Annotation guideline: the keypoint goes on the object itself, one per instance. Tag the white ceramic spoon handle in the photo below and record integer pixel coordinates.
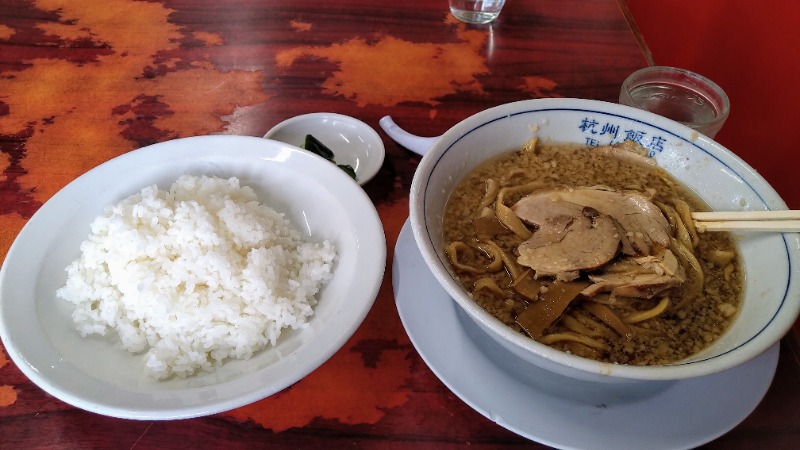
(417, 144)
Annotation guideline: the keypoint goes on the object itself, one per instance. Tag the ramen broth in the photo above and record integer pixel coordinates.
(578, 275)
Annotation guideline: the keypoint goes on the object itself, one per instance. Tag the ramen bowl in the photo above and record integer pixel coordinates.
(770, 261)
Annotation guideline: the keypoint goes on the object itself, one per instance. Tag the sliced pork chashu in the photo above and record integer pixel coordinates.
(643, 226)
(563, 245)
(641, 277)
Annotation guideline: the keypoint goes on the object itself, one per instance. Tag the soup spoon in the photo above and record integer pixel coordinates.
(417, 144)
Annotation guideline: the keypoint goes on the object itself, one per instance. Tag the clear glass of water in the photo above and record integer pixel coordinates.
(476, 11)
(678, 94)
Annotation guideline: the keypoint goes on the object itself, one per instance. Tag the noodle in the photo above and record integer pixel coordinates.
(510, 220)
(573, 324)
(640, 316)
(491, 285)
(685, 213)
(453, 250)
(698, 278)
(559, 337)
(491, 193)
(494, 252)
(682, 234)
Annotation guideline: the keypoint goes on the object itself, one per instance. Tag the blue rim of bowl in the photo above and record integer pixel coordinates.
(683, 139)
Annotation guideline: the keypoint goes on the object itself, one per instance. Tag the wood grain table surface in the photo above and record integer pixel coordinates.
(82, 82)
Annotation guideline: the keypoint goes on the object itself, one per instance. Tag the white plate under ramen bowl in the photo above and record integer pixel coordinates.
(95, 373)
(352, 141)
(771, 260)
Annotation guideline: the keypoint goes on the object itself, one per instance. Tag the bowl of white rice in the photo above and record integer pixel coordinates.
(190, 277)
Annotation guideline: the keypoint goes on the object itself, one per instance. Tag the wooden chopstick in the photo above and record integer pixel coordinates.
(784, 221)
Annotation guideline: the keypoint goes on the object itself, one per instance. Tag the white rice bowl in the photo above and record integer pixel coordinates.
(96, 373)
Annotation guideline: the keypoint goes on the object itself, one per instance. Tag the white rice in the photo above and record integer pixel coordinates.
(195, 276)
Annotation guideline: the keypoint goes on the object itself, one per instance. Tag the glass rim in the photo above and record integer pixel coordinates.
(707, 87)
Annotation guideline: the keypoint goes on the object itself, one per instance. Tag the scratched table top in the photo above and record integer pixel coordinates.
(84, 82)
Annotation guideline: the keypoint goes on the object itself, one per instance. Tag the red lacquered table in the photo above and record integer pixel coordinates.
(83, 82)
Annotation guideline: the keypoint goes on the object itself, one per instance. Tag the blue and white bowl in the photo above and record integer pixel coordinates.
(771, 260)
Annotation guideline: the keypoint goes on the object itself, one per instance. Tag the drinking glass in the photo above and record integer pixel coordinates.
(678, 94)
(476, 11)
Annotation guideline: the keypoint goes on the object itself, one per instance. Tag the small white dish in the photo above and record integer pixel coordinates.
(95, 373)
(556, 410)
(352, 141)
